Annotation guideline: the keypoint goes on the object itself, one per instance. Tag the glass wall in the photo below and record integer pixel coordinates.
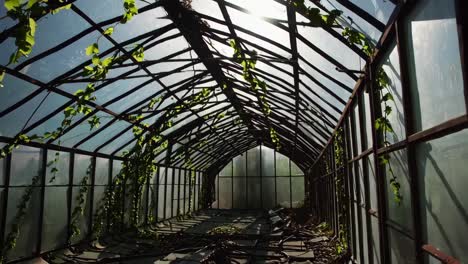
(43, 193)
(259, 178)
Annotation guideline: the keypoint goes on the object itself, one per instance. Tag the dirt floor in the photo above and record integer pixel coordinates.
(215, 236)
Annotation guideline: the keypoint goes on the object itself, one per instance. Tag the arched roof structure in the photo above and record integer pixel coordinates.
(310, 72)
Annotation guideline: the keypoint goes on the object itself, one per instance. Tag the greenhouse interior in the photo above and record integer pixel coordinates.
(233, 131)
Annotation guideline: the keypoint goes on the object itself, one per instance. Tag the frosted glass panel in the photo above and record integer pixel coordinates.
(25, 164)
(102, 171)
(434, 63)
(55, 218)
(26, 242)
(391, 66)
(253, 162)
(399, 215)
(57, 172)
(442, 177)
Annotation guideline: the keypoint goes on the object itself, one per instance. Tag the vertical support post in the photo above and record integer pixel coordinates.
(147, 202)
(185, 190)
(71, 172)
(91, 194)
(4, 206)
(178, 192)
(379, 170)
(365, 175)
(290, 184)
(350, 189)
(166, 163)
(156, 190)
(172, 191)
(357, 185)
(462, 24)
(409, 129)
(217, 192)
(199, 188)
(190, 190)
(110, 188)
(274, 165)
(246, 180)
(42, 175)
(261, 178)
(232, 184)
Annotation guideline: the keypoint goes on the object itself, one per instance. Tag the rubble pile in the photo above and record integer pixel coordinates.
(215, 236)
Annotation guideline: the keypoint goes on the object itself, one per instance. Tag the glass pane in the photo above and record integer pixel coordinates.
(391, 66)
(434, 63)
(82, 169)
(227, 171)
(253, 190)
(225, 195)
(298, 194)
(282, 165)
(268, 192)
(58, 168)
(25, 164)
(441, 165)
(102, 171)
(402, 248)
(253, 162)
(399, 215)
(27, 239)
(268, 166)
(239, 165)
(283, 192)
(240, 189)
(55, 218)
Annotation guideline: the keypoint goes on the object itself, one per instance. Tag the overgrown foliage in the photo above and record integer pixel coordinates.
(340, 159)
(139, 165)
(248, 61)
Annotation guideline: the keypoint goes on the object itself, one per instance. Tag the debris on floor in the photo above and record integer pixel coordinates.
(216, 236)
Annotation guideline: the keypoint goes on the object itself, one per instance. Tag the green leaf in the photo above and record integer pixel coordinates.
(2, 76)
(387, 97)
(96, 60)
(31, 3)
(139, 54)
(69, 111)
(388, 110)
(12, 4)
(109, 31)
(55, 11)
(107, 61)
(92, 49)
(94, 122)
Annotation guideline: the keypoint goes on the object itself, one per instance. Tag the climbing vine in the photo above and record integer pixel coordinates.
(359, 39)
(139, 166)
(79, 209)
(383, 125)
(339, 156)
(248, 61)
(23, 205)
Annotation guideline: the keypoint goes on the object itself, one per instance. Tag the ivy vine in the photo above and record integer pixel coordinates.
(339, 156)
(248, 61)
(354, 37)
(79, 209)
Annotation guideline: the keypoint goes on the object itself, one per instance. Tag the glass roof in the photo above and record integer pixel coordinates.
(298, 62)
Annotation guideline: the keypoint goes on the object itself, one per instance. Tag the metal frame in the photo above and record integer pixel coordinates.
(310, 150)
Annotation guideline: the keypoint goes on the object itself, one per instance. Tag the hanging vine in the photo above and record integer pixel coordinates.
(79, 209)
(139, 166)
(359, 39)
(12, 237)
(339, 155)
(248, 61)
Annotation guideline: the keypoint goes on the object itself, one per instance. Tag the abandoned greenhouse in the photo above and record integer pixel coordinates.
(233, 131)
